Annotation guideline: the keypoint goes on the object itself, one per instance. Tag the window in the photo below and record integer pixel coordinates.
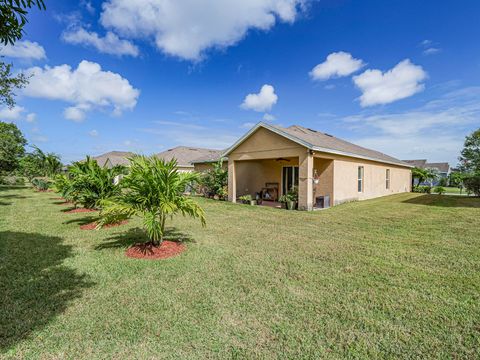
(360, 179)
(387, 179)
(289, 178)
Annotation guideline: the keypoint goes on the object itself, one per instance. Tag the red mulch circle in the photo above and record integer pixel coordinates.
(147, 251)
(79, 210)
(93, 225)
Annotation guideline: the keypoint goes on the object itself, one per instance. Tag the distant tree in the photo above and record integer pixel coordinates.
(470, 155)
(13, 17)
(30, 166)
(38, 163)
(12, 147)
(456, 179)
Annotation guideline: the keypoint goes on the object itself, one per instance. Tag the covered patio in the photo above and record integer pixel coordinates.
(268, 179)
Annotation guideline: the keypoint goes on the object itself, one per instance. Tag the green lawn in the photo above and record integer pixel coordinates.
(395, 277)
(454, 190)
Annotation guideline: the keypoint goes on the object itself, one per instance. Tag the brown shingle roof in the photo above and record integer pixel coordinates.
(417, 163)
(186, 155)
(113, 158)
(441, 167)
(319, 141)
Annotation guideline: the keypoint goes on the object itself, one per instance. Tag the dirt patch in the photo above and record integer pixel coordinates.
(79, 210)
(147, 251)
(93, 225)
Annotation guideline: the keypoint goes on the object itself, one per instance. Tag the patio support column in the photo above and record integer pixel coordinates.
(305, 181)
(232, 181)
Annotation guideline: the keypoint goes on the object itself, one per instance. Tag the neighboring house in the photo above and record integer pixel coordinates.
(187, 157)
(326, 169)
(442, 169)
(113, 158)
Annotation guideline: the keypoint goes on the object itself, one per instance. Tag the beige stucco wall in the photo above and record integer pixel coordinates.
(202, 167)
(324, 169)
(346, 176)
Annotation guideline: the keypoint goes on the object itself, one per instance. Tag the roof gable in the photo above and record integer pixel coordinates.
(319, 141)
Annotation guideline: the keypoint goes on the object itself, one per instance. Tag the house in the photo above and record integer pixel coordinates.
(327, 170)
(112, 158)
(187, 157)
(442, 169)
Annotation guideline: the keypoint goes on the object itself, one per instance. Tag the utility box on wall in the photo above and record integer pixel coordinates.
(322, 202)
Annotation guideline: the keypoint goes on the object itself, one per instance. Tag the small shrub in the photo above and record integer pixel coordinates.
(472, 184)
(440, 190)
(425, 189)
(40, 184)
(442, 182)
(245, 199)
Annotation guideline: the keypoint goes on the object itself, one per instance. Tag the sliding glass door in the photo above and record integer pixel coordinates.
(289, 178)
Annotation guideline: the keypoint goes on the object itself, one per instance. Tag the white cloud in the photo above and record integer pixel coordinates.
(337, 64)
(187, 28)
(31, 117)
(24, 50)
(431, 51)
(429, 47)
(12, 114)
(86, 87)
(191, 135)
(109, 44)
(434, 131)
(40, 138)
(93, 133)
(74, 113)
(248, 125)
(263, 101)
(402, 81)
(268, 117)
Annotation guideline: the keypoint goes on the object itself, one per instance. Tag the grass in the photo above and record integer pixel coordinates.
(454, 190)
(394, 277)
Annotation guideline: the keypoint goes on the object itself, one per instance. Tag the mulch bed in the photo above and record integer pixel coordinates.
(147, 251)
(93, 225)
(79, 210)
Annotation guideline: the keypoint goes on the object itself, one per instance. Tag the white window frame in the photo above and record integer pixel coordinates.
(387, 179)
(360, 179)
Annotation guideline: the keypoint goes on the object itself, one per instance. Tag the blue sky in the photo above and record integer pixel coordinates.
(400, 77)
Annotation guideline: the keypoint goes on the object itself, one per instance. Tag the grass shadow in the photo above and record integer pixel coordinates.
(82, 221)
(35, 286)
(13, 187)
(445, 201)
(137, 235)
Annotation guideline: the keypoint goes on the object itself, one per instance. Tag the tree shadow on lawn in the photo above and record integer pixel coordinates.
(11, 196)
(82, 221)
(35, 286)
(138, 235)
(445, 201)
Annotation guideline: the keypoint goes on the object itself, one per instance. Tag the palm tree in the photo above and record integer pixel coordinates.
(49, 162)
(90, 184)
(154, 190)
